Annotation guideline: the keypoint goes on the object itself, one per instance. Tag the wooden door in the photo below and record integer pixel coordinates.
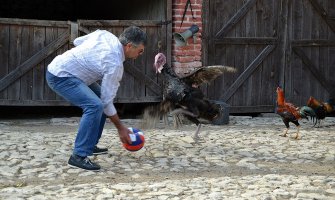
(269, 41)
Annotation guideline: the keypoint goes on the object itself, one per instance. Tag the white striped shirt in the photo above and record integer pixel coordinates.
(96, 56)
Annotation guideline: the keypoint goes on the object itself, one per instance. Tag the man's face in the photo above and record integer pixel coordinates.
(133, 51)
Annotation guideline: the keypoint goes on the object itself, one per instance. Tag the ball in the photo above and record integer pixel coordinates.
(137, 139)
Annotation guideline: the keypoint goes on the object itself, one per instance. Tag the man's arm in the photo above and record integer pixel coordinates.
(122, 130)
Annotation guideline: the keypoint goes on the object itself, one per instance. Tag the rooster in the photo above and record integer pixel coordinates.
(182, 95)
(321, 109)
(290, 113)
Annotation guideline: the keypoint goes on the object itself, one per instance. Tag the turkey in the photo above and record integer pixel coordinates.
(182, 95)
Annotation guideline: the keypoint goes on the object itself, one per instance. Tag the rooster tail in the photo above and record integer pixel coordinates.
(306, 112)
(280, 97)
(313, 103)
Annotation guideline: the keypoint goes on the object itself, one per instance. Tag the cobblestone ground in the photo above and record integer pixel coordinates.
(246, 159)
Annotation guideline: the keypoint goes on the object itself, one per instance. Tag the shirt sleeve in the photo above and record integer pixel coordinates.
(109, 86)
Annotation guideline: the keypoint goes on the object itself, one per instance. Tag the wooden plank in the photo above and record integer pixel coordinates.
(18, 102)
(99, 23)
(319, 9)
(158, 42)
(241, 79)
(4, 54)
(38, 69)
(32, 22)
(235, 19)
(308, 63)
(252, 109)
(314, 42)
(73, 31)
(50, 35)
(35, 59)
(27, 52)
(15, 49)
(246, 40)
(293, 71)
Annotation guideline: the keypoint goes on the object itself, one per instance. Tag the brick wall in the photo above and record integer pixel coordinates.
(186, 58)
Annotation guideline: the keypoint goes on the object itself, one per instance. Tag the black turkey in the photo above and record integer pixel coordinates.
(182, 95)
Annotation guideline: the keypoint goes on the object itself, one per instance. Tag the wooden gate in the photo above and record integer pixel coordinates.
(271, 42)
(28, 46)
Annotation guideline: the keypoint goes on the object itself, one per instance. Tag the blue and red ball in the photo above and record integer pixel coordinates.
(137, 138)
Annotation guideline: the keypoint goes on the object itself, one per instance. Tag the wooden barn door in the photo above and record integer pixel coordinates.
(310, 64)
(271, 43)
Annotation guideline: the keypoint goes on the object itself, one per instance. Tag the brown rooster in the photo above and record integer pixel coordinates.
(291, 113)
(321, 109)
(181, 95)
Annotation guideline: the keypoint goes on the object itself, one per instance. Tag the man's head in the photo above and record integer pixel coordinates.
(133, 40)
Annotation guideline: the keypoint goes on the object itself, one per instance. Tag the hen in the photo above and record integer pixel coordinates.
(291, 113)
(321, 109)
(181, 95)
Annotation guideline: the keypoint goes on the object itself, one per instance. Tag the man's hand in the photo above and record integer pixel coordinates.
(124, 135)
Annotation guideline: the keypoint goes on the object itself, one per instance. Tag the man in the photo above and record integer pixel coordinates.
(73, 75)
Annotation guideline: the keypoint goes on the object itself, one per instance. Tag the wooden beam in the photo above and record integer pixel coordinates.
(74, 31)
(325, 43)
(252, 109)
(309, 64)
(141, 77)
(250, 69)
(118, 23)
(33, 61)
(236, 18)
(243, 40)
(32, 22)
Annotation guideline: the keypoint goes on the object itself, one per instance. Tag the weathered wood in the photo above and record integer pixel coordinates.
(34, 60)
(26, 85)
(4, 53)
(73, 31)
(252, 109)
(38, 69)
(14, 60)
(31, 22)
(284, 24)
(316, 42)
(103, 23)
(330, 21)
(308, 63)
(267, 50)
(235, 19)
(18, 102)
(140, 76)
(244, 40)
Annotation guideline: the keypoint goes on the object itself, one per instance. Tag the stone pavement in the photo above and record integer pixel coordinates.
(246, 159)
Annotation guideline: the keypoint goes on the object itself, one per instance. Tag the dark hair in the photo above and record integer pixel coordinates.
(134, 35)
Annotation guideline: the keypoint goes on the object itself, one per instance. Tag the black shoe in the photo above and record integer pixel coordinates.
(98, 151)
(83, 163)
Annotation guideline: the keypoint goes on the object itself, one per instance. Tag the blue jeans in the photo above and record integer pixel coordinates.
(87, 98)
